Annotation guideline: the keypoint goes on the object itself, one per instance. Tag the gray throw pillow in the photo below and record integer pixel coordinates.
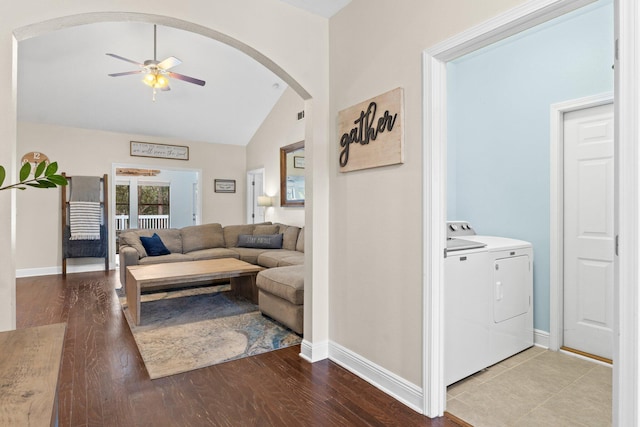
(261, 241)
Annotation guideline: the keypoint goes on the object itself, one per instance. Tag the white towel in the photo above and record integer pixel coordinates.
(84, 220)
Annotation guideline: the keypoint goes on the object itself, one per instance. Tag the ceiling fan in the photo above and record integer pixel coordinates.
(156, 73)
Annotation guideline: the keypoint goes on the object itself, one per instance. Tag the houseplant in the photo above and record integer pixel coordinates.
(44, 176)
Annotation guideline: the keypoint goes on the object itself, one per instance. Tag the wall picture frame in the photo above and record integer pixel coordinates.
(224, 185)
(298, 162)
(160, 151)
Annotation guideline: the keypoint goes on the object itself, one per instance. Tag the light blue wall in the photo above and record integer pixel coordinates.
(498, 131)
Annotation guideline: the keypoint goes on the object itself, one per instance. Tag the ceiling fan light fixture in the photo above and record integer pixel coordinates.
(161, 81)
(156, 80)
(157, 73)
(149, 79)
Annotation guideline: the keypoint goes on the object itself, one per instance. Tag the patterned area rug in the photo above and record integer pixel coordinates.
(193, 328)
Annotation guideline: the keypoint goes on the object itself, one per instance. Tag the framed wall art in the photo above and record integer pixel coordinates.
(298, 162)
(161, 151)
(224, 185)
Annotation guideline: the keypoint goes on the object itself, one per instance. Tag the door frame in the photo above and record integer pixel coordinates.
(626, 371)
(250, 174)
(112, 195)
(556, 218)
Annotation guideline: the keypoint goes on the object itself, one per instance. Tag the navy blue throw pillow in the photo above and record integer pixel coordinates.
(154, 246)
(262, 241)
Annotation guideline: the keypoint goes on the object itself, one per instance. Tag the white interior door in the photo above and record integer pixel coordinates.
(255, 188)
(589, 230)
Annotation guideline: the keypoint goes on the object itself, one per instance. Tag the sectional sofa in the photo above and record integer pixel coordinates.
(277, 247)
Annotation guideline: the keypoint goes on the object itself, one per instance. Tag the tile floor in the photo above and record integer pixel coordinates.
(537, 387)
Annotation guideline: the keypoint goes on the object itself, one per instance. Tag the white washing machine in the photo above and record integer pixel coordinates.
(488, 300)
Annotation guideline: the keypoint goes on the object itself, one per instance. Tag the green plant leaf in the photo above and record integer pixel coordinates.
(46, 183)
(51, 169)
(58, 179)
(25, 170)
(39, 169)
(3, 174)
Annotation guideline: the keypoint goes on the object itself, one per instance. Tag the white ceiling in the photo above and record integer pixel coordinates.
(62, 79)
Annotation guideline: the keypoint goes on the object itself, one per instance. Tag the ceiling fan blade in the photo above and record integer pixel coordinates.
(125, 59)
(186, 78)
(126, 73)
(170, 62)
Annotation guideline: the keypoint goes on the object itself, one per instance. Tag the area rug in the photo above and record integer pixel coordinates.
(193, 328)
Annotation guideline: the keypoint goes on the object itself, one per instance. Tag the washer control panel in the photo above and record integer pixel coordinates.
(459, 229)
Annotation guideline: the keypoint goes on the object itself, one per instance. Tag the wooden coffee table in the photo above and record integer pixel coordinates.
(242, 276)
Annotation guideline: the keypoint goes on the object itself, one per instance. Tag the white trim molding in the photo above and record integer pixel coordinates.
(314, 352)
(626, 348)
(390, 383)
(541, 338)
(511, 22)
(556, 205)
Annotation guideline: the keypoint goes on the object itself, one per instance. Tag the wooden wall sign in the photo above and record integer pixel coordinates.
(371, 133)
(162, 151)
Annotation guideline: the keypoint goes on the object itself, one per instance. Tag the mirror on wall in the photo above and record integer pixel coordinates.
(292, 174)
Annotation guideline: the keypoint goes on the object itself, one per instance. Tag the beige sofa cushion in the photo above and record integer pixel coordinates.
(290, 237)
(231, 233)
(266, 229)
(165, 258)
(280, 257)
(284, 282)
(213, 253)
(206, 236)
(300, 242)
(250, 255)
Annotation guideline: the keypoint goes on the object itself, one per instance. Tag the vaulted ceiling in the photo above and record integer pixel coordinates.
(63, 79)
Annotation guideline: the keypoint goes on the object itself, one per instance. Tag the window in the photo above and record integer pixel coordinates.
(153, 199)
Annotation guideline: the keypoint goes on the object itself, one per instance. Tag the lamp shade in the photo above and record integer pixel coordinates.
(264, 201)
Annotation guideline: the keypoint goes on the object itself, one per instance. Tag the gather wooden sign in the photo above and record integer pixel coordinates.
(371, 133)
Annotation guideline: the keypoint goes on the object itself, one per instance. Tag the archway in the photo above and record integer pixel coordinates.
(44, 27)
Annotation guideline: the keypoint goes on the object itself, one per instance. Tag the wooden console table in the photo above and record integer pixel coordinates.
(29, 367)
(242, 276)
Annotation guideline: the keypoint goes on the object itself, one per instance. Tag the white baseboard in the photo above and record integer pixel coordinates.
(395, 386)
(541, 338)
(314, 352)
(47, 271)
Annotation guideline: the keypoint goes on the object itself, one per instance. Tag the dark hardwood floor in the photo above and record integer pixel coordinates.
(103, 381)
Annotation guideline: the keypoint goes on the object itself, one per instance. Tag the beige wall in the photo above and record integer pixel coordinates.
(263, 28)
(92, 152)
(280, 128)
(376, 215)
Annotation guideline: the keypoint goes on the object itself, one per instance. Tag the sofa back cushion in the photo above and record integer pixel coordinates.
(300, 242)
(231, 233)
(266, 229)
(170, 237)
(290, 236)
(206, 236)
